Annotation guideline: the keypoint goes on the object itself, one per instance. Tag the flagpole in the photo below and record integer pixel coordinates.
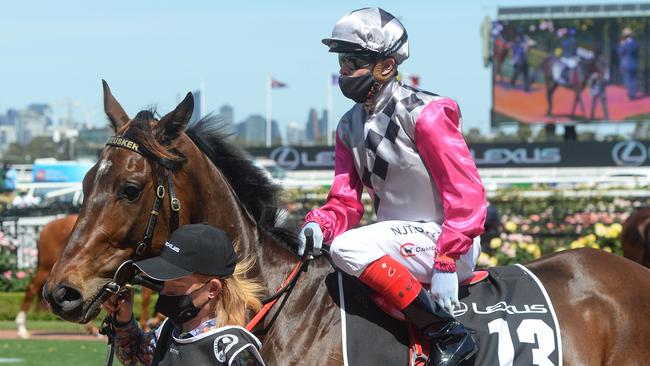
(268, 111)
(329, 110)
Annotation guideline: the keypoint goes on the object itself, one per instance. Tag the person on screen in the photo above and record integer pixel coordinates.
(597, 82)
(404, 145)
(520, 61)
(628, 52)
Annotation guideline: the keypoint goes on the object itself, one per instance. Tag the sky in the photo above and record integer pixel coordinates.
(153, 52)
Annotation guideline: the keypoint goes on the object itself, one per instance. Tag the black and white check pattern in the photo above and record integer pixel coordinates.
(388, 162)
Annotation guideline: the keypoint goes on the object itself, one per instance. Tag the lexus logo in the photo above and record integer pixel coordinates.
(459, 311)
(630, 153)
(286, 157)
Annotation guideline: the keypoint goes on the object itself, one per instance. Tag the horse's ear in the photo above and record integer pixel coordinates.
(173, 123)
(113, 109)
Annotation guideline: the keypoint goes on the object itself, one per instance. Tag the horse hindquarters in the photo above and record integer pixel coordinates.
(602, 303)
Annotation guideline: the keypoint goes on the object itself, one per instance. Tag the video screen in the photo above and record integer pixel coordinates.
(570, 70)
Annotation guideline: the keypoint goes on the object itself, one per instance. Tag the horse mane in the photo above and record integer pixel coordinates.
(258, 194)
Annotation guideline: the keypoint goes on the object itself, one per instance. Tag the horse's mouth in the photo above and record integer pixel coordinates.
(94, 305)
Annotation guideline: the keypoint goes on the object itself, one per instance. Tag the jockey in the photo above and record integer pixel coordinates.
(405, 146)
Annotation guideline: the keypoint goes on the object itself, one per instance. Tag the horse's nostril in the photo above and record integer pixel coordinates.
(67, 297)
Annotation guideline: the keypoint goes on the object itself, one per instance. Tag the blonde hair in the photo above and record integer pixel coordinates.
(238, 295)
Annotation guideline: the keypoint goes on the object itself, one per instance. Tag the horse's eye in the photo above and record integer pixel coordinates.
(130, 192)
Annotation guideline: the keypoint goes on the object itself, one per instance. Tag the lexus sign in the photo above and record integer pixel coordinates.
(629, 153)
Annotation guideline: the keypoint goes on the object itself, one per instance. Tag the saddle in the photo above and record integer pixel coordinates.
(506, 308)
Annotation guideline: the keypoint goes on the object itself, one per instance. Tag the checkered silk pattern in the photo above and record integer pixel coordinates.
(386, 158)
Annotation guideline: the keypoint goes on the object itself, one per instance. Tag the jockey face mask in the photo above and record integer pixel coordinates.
(356, 88)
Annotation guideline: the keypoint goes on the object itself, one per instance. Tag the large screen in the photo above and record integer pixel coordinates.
(571, 70)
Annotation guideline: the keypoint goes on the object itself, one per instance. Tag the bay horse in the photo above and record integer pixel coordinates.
(602, 301)
(635, 237)
(577, 82)
(51, 241)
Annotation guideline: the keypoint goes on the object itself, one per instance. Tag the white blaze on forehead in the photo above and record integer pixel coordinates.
(104, 167)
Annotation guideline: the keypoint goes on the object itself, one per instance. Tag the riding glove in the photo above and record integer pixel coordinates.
(444, 289)
(318, 238)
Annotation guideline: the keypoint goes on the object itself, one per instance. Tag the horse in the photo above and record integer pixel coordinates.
(579, 76)
(635, 237)
(51, 241)
(601, 300)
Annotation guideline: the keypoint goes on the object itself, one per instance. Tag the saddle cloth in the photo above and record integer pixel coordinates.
(509, 312)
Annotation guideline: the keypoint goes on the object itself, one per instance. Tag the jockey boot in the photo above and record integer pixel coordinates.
(451, 343)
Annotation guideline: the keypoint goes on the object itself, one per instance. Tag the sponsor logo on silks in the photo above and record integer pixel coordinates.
(223, 344)
(410, 249)
(406, 250)
(509, 309)
(172, 247)
(411, 229)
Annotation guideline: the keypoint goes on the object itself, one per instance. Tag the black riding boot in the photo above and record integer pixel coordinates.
(451, 343)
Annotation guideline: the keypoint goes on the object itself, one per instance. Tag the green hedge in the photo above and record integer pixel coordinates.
(10, 305)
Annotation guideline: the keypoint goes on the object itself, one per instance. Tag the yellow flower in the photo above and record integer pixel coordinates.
(591, 238)
(607, 249)
(537, 253)
(576, 244)
(582, 240)
(522, 245)
(493, 261)
(595, 245)
(617, 227)
(532, 248)
(600, 229)
(495, 243)
(510, 226)
(559, 249)
(484, 259)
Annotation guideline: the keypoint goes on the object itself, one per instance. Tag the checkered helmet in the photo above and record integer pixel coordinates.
(370, 32)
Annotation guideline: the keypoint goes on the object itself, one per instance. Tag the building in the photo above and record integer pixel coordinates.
(295, 134)
(252, 131)
(227, 115)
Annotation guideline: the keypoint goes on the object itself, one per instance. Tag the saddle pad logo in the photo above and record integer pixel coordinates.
(223, 344)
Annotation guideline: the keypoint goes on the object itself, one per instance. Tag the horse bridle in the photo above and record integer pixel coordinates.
(127, 272)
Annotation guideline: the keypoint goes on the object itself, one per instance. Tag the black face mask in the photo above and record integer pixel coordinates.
(178, 308)
(356, 88)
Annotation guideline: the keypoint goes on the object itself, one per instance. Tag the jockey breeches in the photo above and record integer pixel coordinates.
(413, 244)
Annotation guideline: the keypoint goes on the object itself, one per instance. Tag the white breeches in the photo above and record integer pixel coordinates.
(413, 244)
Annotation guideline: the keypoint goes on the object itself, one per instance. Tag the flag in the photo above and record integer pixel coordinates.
(275, 84)
(415, 80)
(335, 79)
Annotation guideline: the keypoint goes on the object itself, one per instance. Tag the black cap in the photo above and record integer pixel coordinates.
(194, 248)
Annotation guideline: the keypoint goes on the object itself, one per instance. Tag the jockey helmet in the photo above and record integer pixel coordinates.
(370, 33)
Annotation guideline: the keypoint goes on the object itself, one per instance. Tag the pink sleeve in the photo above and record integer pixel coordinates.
(441, 145)
(343, 209)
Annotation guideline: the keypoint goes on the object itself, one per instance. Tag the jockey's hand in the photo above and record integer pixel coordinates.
(120, 305)
(318, 238)
(444, 289)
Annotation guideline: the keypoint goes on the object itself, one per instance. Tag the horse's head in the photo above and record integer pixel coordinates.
(128, 208)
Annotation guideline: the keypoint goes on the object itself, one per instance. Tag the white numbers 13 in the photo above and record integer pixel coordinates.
(528, 330)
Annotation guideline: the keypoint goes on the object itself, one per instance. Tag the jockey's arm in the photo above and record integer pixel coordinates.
(442, 147)
(343, 209)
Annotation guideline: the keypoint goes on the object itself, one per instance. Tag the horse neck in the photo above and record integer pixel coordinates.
(217, 204)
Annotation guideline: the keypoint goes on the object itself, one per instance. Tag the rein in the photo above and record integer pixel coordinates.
(126, 271)
(285, 288)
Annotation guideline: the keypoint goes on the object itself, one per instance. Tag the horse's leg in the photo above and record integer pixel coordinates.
(34, 286)
(550, 88)
(602, 303)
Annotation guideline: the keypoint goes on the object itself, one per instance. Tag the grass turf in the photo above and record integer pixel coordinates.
(52, 353)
